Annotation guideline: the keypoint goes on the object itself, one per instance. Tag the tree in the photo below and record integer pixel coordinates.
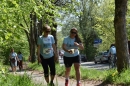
(19, 16)
(121, 35)
(42, 13)
(104, 24)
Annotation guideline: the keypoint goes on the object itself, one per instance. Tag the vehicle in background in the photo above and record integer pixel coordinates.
(83, 58)
(101, 57)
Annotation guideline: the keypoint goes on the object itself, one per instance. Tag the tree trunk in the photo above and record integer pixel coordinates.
(55, 37)
(121, 35)
(32, 37)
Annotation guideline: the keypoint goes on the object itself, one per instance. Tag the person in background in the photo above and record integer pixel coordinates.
(71, 46)
(13, 60)
(61, 53)
(20, 56)
(47, 54)
(112, 52)
(29, 58)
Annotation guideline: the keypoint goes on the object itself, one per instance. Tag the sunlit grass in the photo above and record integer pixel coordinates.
(35, 66)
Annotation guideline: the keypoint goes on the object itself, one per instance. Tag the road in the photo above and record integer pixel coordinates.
(91, 65)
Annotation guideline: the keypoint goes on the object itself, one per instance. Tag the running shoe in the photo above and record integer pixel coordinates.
(51, 84)
(66, 82)
(79, 84)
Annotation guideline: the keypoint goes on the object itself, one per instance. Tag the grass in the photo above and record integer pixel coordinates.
(7, 79)
(108, 76)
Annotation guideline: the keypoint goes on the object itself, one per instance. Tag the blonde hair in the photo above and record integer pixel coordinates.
(74, 29)
(45, 27)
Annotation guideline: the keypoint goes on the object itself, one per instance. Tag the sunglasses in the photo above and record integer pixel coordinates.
(73, 32)
(48, 31)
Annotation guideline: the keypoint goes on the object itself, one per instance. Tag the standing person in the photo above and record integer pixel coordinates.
(47, 54)
(20, 56)
(13, 60)
(70, 45)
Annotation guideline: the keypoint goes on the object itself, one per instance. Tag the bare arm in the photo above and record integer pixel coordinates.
(81, 47)
(17, 58)
(54, 48)
(38, 51)
(64, 47)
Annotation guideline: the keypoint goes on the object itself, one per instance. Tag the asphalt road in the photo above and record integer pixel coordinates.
(91, 65)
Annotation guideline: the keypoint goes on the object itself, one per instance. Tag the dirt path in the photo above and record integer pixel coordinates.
(38, 77)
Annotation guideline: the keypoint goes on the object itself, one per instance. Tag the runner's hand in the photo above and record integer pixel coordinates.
(70, 51)
(75, 43)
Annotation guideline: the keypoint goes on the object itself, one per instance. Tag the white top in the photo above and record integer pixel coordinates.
(112, 50)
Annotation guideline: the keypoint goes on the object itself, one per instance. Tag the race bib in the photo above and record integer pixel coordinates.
(47, 51)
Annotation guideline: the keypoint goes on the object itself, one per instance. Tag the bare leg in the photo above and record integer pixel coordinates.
(77, 70)
(52, 77)
(13, 69)
(47, 79)
(67, 72)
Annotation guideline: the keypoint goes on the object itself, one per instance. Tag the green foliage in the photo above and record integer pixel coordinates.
(35, 66)
(83, 18)
(60, 70)
(59, 40)
(11, 80)
(91, 74)
(7, 79)
(90, 52)
(105, 26)
(19, 44)
(15, 19)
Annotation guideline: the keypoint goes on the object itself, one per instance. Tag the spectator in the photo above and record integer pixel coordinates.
(13, 60)
(20, 56)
